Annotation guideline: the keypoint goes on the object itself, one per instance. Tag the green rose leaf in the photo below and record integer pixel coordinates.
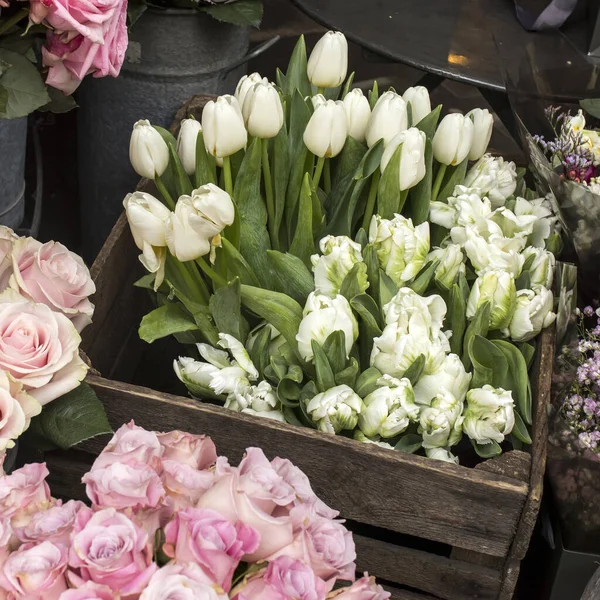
(166, 320)
(247, 13)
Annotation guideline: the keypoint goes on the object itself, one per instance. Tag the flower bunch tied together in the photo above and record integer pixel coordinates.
(347, 261)
(168, 517)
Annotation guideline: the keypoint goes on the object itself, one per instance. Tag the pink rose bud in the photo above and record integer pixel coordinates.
(364, 589)
(197, 451)
(182, 582)
(204, 537)
(284, 579)
(24, 490)
(109, 549)
(53, 275)
(183, 484)
(36, 571)
(90, 591)
(54, 524)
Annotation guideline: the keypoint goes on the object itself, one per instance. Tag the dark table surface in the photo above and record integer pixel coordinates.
(472, 41)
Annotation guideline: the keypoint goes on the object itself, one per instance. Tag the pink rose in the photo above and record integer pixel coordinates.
(204, 537)
(6, 539)
(24, 490)
(197, 451)
(130, 445)
(251, 494)
(284, 579)
(183, 484)
(36, 571)
(182, 582)
(16, 409)
(39, 348)
(110, 549)
(54, 524)
(326, 545)
(51, 274)
(364, 589)
(90, 591)
(7, 238)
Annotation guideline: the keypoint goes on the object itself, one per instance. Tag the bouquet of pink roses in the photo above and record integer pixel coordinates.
(171, 520)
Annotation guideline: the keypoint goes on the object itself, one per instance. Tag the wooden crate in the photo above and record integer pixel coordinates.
(427, 529)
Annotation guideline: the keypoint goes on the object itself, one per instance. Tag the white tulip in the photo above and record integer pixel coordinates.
(388, 119)
(532, 314)
(542, 268)
(246, 83)
(497, 288)
(388, 411)
(451, 376)
(441, 454)
(260, 398)
(328, 62)
(338, 255)
(358, 113)
(186, 144)
(453, 139)
(464, 207)
(321, 317)
(546, 221)
(440, 424)
(513, 225)
(317, 100)
(483, 123)
(336, 409)
(197, 220)
(488, 254)
(401, 247)
(194, 373)
(231, 380)
(276, 415)
(412, 156)
(451, 265)
(494, 178)
(239, 353)
(223, 127)
(262, 111)
(327, 130)
(420, 103)
(148, 152)
(359, 436)
(489, 416)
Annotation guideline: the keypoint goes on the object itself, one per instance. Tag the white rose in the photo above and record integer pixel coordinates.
(532, 314)
(497, 288)
(489, 416)
(450, 376)
(336, 409)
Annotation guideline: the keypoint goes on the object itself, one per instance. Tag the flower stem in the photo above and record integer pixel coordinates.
(320, 90)
(327, 176)
(438, 181)
(208, 270)
(269, 193)
(18, 16)
(371, 200)
(318, 171)
(227, 175)
(164, 193)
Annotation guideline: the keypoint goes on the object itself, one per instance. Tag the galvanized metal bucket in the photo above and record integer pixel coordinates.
(172, 55)
(13, 144)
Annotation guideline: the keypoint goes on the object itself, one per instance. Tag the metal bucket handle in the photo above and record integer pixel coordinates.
(255, 53)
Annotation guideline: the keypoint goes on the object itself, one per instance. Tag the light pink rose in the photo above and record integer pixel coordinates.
(284, 579)
(365, 588)
(204, 537)
(54, 524)
(110, 549)
(198, 451)
(39, 348)
(182, 582)
(53, 275)
(324, 544)
(24, 490)
(90, 591)
(251, 493)
(36, 571)
(183, 484)
(16, 409)
(6, 540)
(7, 238)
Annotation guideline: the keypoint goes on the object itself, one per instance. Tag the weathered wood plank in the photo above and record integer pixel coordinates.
(447, 578)
(396, 491)
(66, 470)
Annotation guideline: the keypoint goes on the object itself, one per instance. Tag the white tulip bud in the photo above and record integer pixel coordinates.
(483, 123)
(388, 119)
(358, 113)
(322, 316)
(513, 225)
(317, 100)
(451, 265)
(359, 436)
(186, 144)
(327, 130)
(412, 156)
(440, 424)
(542, 268)
(223, 127)
(401, 247)
(494, 178)
(545, 223)
(452, 139)
(336, 409)
(147, 218)
(262, 111)
(260, 398)
(240, 354)
(489, 416)
(328, 62)
(441, 454)
(194, 373)
(532, 314)
(450, 376)
(420, 103)
(388, 410)
(497, 288)
(339, 255)
(197, 220)
(148, 152)
(246, 83)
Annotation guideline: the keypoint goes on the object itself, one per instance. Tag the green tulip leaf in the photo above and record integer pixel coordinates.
(388, 194)
(226, 308)
(429, 122)
(487, 450)
(490, 366)
(457, 319)
(259, 349)
(303, 245)
(292, 276)
(387, 288)
(520, 430)
(367, 382)
(410, 443)
(348, 375)
(368, 311)
(166, 320)
(335, 350)
(373, 95)
(296, 77)
(354, 282)
(206, 169)
(281, 174)
(527, 349)
(373, 272)
(478, 326)
(456, 177)
(423, 279)
(419, 197)
(237, 265)
(325, 379)
(414, 372)
(348, 85)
